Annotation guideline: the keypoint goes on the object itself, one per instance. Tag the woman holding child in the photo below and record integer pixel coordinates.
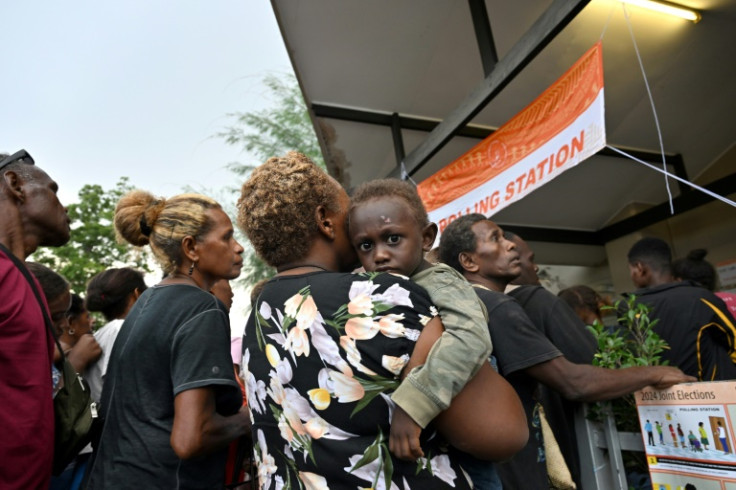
(324, 349)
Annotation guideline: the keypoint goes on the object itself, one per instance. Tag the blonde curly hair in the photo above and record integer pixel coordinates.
(142, 219)
(277, 204)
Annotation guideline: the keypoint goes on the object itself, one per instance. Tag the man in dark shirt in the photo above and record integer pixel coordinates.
(32, 216)
(695, 322)
(550, 314)
(562, 326)
(476, 247)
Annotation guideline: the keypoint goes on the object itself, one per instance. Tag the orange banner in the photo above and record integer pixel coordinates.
(560, 128)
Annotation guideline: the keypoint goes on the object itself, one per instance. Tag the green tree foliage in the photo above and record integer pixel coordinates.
(93, 246)
(282, 127)
(634, 344)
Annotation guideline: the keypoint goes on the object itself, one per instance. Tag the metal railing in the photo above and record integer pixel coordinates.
(600, 445)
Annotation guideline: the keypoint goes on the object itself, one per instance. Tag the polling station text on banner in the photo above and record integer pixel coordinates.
(561, 128)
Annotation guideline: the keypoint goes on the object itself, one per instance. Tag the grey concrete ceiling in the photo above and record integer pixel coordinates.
(421, 59)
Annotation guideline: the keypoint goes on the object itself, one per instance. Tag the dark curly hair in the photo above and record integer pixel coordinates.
(582, 297)
(459, 237)
(109, 290)
(52, 283)
(695, 268)
(277, 203)
(77, 306)
(653, 252)
(378, 188)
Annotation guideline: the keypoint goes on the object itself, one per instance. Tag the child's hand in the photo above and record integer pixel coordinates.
(404, 438)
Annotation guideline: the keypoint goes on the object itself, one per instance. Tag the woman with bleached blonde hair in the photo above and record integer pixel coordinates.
(324, 348)
(170, 401)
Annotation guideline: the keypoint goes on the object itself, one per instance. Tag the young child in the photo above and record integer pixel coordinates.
(391, 232)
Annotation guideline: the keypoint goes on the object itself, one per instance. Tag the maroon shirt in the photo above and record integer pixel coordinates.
(26, 406)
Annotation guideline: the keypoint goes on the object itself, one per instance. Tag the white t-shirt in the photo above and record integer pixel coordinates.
(96, 372)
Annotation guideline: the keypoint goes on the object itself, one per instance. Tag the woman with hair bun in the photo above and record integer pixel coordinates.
(324, 348)
(84, 350)
(170, 402)
(79, 322)
(695, 268)
(111, 292)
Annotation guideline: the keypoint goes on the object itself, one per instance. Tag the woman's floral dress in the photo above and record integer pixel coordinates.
(323, 352)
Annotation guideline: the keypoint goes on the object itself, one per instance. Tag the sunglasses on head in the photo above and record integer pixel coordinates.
(18, 156)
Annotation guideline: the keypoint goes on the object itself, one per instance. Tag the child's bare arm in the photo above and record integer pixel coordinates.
(404, 439)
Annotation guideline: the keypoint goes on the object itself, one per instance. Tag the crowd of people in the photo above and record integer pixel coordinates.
(369, 360)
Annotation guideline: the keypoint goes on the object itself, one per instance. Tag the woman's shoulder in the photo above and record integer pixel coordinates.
(388, 284)
(344, 281)
(110, 329)
(333, 289)
(389, 279)
(179, 298)
(188, 291)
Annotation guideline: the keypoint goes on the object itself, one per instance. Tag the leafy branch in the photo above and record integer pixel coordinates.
(93, 246)
(634, 343)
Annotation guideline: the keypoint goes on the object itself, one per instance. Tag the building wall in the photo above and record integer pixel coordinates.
(711, 226)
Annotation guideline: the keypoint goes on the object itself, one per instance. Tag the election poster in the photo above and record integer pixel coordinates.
(727, 275)
(559, 129)
(688, 435)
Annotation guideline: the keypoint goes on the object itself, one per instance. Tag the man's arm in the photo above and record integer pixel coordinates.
(586, 383)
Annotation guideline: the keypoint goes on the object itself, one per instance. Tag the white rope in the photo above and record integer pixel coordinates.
(667, 174)
(654, 110)
(608, 21)
(405, 175)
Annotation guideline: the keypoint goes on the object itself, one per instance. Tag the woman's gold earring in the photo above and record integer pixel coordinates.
(191, 268)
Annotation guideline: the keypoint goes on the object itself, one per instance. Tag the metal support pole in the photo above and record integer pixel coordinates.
(484, 35)
(398, 138)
